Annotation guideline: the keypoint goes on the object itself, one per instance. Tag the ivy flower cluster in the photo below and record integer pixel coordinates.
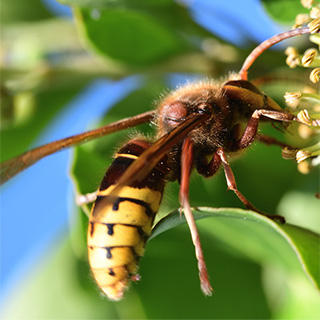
(306, 103)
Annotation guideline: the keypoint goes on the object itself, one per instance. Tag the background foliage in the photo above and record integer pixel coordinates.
(258, 269)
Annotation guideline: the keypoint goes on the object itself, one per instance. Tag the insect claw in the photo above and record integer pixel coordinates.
(136, 277)
(205, 283)
(82, 199)
(204, 277)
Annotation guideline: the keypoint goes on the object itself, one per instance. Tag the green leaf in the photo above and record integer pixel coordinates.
(261, 238)
(169, 276)
(131, 37)
(33, 10)
(284, 11)
(307, 248)
(136, 33)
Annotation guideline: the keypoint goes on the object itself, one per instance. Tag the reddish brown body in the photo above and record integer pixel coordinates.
(119, 228)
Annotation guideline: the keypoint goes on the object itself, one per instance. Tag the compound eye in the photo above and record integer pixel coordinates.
(175, 113)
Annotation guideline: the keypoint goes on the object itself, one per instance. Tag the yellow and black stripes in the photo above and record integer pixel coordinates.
(117, 240)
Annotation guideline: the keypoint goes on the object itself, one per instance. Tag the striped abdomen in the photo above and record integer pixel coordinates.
(116, 240)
